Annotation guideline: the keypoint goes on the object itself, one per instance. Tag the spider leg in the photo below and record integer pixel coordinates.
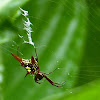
(59, 84)
(26, 74)
(53, 83)
(36, 54)
(51, 72)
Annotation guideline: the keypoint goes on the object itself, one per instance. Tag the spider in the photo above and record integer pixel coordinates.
(32, 67)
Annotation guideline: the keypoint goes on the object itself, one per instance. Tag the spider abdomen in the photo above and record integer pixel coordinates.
(39, 76)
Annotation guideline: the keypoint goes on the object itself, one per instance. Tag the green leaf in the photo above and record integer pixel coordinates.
(59, 34)
(10, 7)
(89, 91)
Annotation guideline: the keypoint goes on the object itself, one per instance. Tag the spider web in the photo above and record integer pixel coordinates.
(87, 69)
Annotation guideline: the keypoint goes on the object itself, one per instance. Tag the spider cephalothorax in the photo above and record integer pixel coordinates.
(31, 66)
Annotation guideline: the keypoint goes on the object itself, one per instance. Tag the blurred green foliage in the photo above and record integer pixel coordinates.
(66, 34)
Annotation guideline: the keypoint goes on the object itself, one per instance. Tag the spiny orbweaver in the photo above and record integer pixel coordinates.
(32, 67)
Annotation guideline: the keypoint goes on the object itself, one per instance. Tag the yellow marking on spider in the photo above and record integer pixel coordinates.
(27, 67)
(29, 70)
(35, 72)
